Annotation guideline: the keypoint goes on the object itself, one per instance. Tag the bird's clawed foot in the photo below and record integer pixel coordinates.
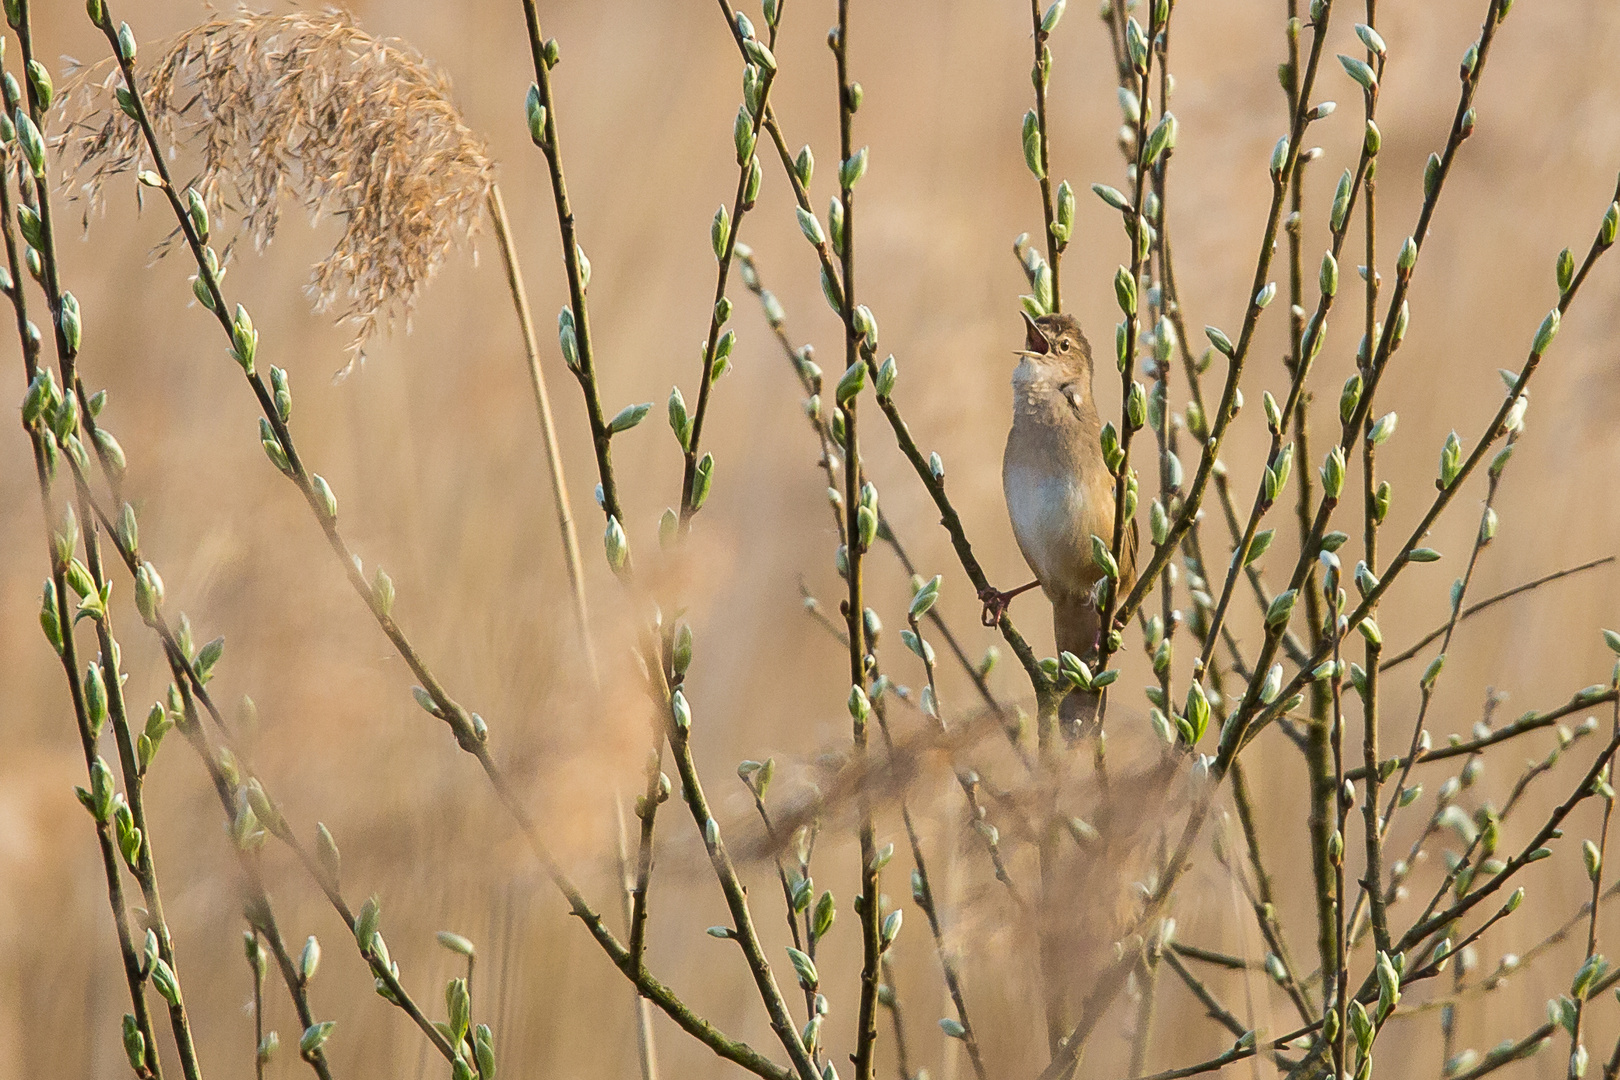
(996, 602)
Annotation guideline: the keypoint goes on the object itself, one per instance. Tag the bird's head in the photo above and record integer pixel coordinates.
(1056, 343)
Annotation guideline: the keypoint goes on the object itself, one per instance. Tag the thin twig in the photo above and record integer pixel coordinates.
(1416, 649)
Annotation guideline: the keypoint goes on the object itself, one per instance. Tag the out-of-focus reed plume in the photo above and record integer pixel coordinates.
(1103, 873)
(349, 126)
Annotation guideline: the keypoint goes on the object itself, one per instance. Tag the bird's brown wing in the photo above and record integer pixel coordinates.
(1074, 395)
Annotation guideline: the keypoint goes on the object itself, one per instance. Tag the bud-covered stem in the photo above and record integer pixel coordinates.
(805, 939)
(742, 202)
(1340, 940)
(1320, 749)
(138, 854)
(1293, 410)
(468, 733)
(1143, 164)
(258, 906)
(647, 811)
(144, 866)
(646, 1044)
(1354, 423)
(264, 925)
(68, 655)
(1531, 721)
(1495, 429)
(949, 517)
(1222, 418)
(1428, 684)
(1413, 650)
(257, 969)
(542, 401)
(1167, 310)
(601, 436)
(736, 896)
(110, 858)
(865, 1056)
(1372, 517)
(1039, 76)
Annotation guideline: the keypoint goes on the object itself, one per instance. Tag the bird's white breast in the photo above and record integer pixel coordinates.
(1045, 506)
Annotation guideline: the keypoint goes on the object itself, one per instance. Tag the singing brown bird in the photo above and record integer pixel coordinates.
(1059, 491)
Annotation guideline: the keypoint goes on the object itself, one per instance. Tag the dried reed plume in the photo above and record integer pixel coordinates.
(351, 126)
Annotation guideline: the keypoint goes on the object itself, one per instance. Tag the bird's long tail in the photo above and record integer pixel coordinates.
(1075, 624)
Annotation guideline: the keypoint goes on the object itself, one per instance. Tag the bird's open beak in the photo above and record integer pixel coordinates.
(1035, 343)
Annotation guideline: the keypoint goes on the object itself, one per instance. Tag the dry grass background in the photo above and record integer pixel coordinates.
(434, 448)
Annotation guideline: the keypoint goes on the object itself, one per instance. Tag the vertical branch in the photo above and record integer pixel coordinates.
(255, 959)
(1611, 1069)
(141, 860)
(647, 1051)
(1263, 902)
(297, 985)
(98, 797)
(890, 999)
(1318, 755)
(698, 468)
(1148, 984)
(1059, 216)
(657, 789)
(1373, 510)
(672, 652)
(629, 882)
(1127, 285)
(1339, 973)
(577, 326)
(860, 526)
(1159, 637)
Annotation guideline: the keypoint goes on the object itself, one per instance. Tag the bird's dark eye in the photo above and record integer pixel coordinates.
(1063, 345)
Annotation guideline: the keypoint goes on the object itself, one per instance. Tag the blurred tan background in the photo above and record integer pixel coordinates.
(434, 451)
